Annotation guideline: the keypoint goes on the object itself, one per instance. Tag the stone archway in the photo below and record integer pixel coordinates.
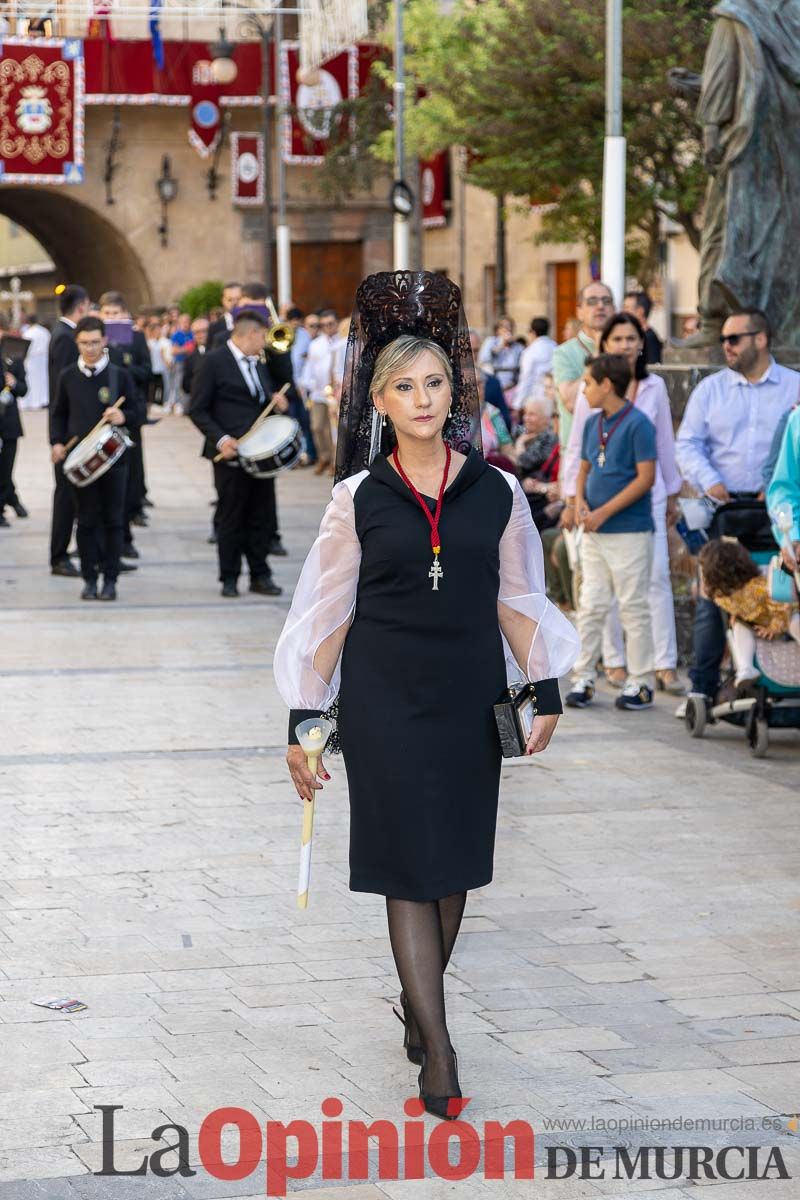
(85, 247)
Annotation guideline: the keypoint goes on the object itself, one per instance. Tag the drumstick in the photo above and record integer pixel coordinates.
(73, 441)
(261, 416)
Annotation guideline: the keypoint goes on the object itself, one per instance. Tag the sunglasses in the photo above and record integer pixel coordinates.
(593, 300)
(733, 339)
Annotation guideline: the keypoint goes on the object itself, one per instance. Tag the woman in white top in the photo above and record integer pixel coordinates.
(36, 364)
(623, 334)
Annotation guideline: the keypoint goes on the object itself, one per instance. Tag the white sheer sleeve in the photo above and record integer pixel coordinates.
(539, 640)
(308, 653)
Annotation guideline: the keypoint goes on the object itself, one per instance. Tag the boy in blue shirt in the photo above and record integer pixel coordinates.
(612, 498)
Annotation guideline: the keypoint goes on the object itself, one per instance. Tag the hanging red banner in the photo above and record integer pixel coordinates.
(247, 168)
(41, 110)
(313, 125)
(205, 114)
(434, 176)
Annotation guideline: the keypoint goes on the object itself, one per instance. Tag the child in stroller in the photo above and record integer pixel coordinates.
(734, 582)
(763, 634)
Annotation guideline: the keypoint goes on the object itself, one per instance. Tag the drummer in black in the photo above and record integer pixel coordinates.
(229, 391)
(85, 395)
(14, 386)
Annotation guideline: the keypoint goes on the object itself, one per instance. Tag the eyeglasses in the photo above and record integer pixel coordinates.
(734, 338)
(593, 300)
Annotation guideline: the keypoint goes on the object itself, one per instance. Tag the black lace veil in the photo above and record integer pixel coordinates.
(388, 305)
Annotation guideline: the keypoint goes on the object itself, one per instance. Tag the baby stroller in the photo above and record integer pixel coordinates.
(776, 703)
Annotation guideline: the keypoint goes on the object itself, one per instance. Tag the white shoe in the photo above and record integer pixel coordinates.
(680, 711)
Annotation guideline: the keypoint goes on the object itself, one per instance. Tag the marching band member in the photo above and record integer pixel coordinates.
(134, 356)
(86, 392)
(73, 304)
(230, 389)
(14, 386)
(255, 296)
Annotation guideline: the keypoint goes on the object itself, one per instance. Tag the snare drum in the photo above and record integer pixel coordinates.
(95, 455)
(274, 447)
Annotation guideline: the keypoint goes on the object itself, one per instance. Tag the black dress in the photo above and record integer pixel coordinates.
(422, 755)
(420, 672)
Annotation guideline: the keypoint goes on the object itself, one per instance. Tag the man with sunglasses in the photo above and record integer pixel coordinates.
(722, 445)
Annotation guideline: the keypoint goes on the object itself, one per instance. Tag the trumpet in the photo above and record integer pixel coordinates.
(279, 337)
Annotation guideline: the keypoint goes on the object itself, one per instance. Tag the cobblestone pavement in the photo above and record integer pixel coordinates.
(635, 959)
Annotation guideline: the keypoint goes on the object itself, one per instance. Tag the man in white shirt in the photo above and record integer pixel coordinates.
(722, 445)
(36, 364)
(536, 361)
(319, 382)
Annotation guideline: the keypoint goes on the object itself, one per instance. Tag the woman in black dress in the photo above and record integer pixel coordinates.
(422, 596)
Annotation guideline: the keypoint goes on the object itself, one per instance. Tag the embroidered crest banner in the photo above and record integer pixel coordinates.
(435, 183)
(41, 110)
(247, 168)
(312, 124)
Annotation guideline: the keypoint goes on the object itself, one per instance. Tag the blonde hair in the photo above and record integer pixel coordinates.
(402, 352)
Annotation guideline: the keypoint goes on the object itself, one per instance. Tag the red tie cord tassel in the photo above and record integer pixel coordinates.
(433, 520)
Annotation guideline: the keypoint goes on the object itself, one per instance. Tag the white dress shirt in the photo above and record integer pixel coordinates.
(299, 352)
(99, 366)
(320, 369)
(536, 362)
(727, 429)
(501, 360)
(248, 366)
(254, 385)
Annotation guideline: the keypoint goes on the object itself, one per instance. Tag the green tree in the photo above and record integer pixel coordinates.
(521, 83)
(198, 301)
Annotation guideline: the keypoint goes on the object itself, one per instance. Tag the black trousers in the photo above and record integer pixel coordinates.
(63, 516)
(245, 521)
(8, 452)
(101, 510)
(136, 484)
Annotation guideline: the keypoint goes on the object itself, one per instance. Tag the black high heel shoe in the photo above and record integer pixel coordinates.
(413, 1052)
(439, 1106)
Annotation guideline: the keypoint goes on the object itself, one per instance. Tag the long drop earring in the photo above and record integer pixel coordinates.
(383, 422)
(450, 411)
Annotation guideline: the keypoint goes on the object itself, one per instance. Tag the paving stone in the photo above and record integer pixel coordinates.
(736, 1028)
(759, 1050)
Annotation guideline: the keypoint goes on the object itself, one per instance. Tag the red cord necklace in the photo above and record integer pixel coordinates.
(436, 573)
(604, 434)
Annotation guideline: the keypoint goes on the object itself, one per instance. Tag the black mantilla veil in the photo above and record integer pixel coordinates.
(388, 305)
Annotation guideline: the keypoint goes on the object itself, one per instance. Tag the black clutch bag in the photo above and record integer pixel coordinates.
(514, 713)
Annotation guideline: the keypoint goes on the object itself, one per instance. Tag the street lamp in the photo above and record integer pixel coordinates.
(223, 67)
(167, 188)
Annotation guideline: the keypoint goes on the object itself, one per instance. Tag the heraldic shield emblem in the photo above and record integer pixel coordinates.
(34, 112)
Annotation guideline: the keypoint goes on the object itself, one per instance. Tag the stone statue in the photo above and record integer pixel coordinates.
(749, 107)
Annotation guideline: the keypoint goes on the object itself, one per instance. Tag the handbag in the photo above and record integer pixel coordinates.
(780, 584)
(514, 713)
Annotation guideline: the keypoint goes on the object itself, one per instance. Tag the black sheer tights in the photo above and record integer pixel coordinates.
(422, 934)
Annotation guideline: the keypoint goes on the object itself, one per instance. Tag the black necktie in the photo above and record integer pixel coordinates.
(259, 391)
